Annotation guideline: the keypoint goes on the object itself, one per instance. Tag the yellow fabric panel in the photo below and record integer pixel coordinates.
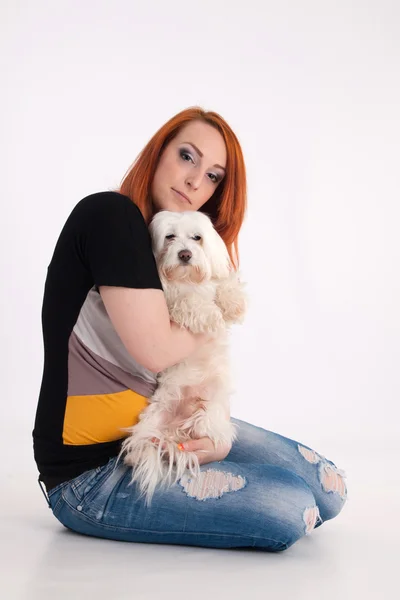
(93, 419)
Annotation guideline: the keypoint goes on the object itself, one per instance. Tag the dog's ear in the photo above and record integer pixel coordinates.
(217, 254)
(157, 229)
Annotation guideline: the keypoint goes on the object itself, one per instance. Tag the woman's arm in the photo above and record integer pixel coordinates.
(141, 319)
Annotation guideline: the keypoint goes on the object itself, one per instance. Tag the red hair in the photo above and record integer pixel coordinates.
(226, 207)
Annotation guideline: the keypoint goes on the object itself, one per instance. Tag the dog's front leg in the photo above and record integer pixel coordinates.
(196, 314)
(231, 298)
(210, 420)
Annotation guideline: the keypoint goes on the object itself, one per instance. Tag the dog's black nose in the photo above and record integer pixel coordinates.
(184, 255)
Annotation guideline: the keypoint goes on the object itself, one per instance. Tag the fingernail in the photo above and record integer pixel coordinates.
(181, 446)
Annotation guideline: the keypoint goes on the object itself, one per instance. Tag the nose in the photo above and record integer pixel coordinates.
(192, 184)
(184, 255)
(193, 181)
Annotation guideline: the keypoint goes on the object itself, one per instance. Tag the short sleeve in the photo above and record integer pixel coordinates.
(117, 245)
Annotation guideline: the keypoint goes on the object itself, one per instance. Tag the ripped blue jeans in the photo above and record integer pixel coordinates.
(268, 493)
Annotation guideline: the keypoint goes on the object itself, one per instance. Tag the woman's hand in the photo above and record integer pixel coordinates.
(205, 450)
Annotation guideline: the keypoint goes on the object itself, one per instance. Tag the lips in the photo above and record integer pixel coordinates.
(182, 195)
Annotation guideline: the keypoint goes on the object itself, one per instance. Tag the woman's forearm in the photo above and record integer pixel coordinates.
(176, 346)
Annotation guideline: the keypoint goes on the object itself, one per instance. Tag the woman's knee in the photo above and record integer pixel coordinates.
(283, 506)
(299, 518)
(330, 487)
(302, 523)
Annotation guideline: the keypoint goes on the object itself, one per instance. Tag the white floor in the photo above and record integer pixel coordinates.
(355, 556)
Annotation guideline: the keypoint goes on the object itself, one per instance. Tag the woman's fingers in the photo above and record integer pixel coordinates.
(203, 448)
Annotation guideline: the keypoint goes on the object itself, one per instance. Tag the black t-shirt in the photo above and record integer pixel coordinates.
(91, 387)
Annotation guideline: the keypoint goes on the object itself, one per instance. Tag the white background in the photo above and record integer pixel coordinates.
(312, 90)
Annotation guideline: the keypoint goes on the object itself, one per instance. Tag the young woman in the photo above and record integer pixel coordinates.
(107, 333)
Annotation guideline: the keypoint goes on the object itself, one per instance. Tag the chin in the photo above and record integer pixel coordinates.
(192, 400)
(171, 202)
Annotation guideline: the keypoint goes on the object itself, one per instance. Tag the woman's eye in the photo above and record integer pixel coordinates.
(184, 154)
(216, 178)
(170, 236)
(197, 238)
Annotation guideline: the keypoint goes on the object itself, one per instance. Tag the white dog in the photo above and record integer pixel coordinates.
(203, 294)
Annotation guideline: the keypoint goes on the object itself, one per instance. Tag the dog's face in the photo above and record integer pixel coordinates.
(187, 247)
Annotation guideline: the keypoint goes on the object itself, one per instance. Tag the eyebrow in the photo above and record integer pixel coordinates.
(199, 152)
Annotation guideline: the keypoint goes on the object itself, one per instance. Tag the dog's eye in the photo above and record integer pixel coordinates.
(197, 238)
(170, 236)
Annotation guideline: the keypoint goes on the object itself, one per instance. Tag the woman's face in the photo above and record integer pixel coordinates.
(190, 168)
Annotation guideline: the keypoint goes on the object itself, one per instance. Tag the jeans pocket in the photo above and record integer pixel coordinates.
(83, 481)
(85, 485)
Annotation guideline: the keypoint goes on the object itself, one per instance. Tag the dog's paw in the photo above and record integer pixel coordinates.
(196, 425)
(205, 422)
(232, 299)
(196, 315)
(207, 320)
(210, 320)
(183, 312)
(225, 433)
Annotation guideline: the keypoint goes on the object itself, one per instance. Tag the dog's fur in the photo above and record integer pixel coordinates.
(192, 397)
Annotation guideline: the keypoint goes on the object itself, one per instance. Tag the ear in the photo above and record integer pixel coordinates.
(217, 255)
(154, 228)
(157, 229)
